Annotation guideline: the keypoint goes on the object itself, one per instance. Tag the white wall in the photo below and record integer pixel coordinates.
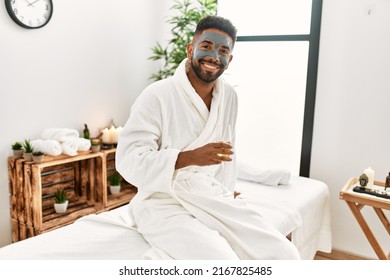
(86, 66)
(351, 127)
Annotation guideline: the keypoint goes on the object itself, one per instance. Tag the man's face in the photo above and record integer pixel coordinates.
(211, 54)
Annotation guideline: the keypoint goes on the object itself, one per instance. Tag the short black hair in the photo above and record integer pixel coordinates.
(216, 22)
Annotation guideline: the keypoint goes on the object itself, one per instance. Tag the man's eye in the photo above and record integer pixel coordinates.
(224, 52)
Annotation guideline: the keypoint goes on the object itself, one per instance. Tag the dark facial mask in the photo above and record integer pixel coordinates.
(218, 40)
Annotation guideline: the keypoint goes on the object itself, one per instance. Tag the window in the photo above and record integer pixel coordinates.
(274, 71)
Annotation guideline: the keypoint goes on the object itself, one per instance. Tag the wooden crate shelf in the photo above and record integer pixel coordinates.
(85, 179)
(127, 190)
(126, 194)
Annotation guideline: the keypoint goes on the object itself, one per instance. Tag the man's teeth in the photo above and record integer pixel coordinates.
(210, 66)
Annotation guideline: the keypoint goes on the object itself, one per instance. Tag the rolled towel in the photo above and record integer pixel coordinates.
(60, 134)
(69, 148)
(83, 144)
(270, 177)
(48, 147)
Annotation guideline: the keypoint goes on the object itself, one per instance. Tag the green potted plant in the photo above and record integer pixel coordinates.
(38, 156)
(115, 183)
(183, 27)
(95, 145)
(28, 150)
(60, 201)
(17, 149)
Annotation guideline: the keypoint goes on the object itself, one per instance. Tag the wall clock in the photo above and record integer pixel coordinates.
(30, 13)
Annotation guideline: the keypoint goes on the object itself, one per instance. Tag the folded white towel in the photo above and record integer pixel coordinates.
(270, 177)
(48, 147)
(69, 148)
(83, 144)
(60, 134)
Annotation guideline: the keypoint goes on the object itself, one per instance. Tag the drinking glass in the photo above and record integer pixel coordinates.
(227, 133)
(226, 137)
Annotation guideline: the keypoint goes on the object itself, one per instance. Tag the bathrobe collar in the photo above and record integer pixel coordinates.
(212, 117)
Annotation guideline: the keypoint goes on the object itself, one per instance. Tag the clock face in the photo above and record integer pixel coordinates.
(30, 13)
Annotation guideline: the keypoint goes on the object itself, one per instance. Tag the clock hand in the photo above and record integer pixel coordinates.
(30, 4)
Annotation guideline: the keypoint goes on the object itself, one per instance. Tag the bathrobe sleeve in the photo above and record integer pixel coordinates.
(139, 156)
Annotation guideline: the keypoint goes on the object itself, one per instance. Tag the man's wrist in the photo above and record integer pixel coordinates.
(182, 160)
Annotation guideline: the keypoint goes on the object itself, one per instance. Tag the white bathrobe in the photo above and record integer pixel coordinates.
(186, 214)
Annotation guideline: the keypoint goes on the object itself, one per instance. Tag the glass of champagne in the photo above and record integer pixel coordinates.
(226, 137)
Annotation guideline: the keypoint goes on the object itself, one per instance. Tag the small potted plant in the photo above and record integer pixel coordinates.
(28, 150)
(17, 149)
(61, 201)
(95, 145)
(115, 183)
(38, 156)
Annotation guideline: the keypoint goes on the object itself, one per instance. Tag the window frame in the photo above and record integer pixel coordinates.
(311, 78)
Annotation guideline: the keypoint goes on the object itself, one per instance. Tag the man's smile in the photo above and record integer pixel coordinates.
(209, 66)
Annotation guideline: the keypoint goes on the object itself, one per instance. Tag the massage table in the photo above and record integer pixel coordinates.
(300, 210)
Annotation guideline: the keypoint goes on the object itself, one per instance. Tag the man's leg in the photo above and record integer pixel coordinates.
(170, 229)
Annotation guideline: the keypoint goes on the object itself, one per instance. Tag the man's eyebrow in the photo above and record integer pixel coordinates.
(207, 41)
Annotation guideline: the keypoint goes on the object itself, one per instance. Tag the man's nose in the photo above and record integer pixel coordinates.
(215, 56)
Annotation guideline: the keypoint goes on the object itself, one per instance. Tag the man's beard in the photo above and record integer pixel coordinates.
(206, 76)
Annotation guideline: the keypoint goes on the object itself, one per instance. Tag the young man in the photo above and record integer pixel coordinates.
(171, 149)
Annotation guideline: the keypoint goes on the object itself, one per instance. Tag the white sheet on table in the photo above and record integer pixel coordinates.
(103, 236)
(301, 206)
(310, 198)
(269, 177)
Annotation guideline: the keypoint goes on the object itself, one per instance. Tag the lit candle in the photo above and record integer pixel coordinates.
(117, 133)
(112, 133)
(114, 137)
(106, 136)
(370, 174)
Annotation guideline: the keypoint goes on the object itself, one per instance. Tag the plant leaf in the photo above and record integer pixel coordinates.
(183, 26)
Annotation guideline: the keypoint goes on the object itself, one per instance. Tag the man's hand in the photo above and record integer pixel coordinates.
(209, 154)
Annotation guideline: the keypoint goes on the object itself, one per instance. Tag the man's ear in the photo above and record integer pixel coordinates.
(190, 50)
(230, 60)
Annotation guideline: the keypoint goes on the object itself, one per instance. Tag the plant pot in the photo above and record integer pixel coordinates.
(95, 149)
(27, 156)
(18, 153)
(61, 207)
(38, 159)
(115, 189)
